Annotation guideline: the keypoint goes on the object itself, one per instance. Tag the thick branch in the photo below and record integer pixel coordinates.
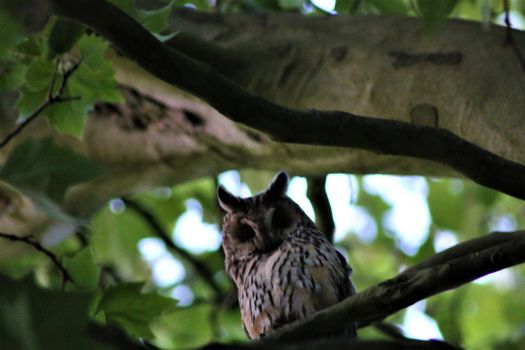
(35, 244)
(339, 343)
(417, 283)
(323, 212)
(197, 266)
(309, 127)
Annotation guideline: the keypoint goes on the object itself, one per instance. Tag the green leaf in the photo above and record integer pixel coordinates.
(114, 241)
(125, 5)
(153, 20)
(134, 311)
(11, 74)
(40, 165)
(290, 4)
(63, 36)
(434, 12)
(68, 117)
(32, 318)
(185, 328)
(92, 82)
(445, 206)
(157, 20)
(40, 74)
(10, 32)
(83, 270)
(29, 101)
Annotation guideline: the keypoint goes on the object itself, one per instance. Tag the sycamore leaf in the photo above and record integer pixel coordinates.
(42, 166)
(92, 82)
(10, 32)
(157, 20)
(134, 311)
(153, 20)
(64, 34)
(83, 270)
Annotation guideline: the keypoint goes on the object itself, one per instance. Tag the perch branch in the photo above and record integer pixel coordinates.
(323, 212)
(197, 266)
(485, 255)
(35, 244)
(339, 344)
(52, 98)
(328, 128)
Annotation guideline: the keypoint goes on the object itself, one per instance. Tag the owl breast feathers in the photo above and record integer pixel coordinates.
(284, 268)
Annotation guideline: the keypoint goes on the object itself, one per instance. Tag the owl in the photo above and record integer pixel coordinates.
(283, 267)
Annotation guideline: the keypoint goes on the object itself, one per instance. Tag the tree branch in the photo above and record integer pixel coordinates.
(338, 343)
(328, 128)
(487, 254)
(35, 244)
(52, 98)
(323, 212)
(197, 266)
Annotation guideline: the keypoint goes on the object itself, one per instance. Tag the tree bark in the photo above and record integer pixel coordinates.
(463, 79)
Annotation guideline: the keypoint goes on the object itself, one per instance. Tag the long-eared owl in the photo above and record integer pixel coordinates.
(284, 268)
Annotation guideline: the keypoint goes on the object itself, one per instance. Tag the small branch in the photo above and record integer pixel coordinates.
(509, 39)
(487, 254)
(327, 128)
(35, 244)
(51, 100)
(323, 212)
(199, 267)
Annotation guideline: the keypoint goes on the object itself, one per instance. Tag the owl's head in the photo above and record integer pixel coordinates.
(258, 224)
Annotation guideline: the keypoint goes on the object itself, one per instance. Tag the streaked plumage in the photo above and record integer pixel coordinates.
(284, 268)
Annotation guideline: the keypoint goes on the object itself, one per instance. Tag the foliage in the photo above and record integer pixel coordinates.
(106, 267)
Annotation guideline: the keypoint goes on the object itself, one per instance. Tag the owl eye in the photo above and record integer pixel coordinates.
(245, 233)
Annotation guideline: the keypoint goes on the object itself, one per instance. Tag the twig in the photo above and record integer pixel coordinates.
(407, 288)
(323, 212)
(327, 128)
(198, 266)
(509, 39)
(52, 98)
(29, 240)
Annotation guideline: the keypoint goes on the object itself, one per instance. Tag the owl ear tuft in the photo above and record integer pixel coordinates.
(279, 185)
(227, 201)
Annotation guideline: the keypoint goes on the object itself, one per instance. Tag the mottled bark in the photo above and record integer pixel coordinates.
(463, 79)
